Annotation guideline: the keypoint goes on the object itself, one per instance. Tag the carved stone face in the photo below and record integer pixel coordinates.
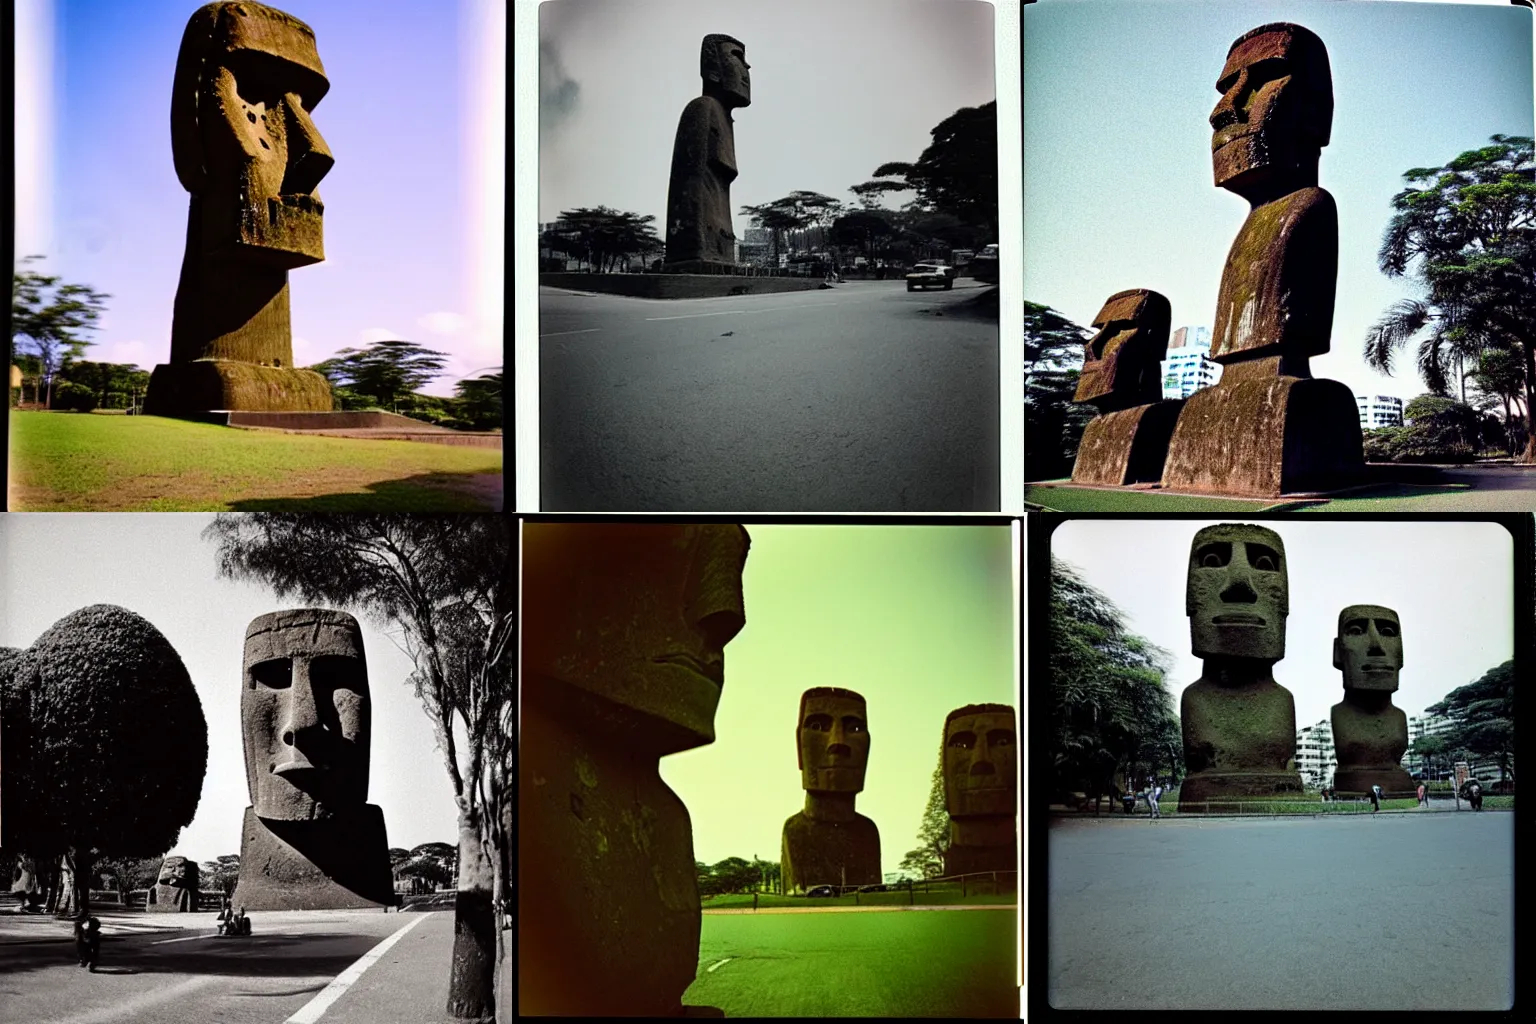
(306, 714)
(832, 742)
(1122, 363)
(980, 764)
(247, 78)
(179, 872)
(1276, 107)
(1369, 647)
(723, 64)
(638, 615)
(1237, 594)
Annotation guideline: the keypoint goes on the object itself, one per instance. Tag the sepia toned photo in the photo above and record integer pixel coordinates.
(767, 281)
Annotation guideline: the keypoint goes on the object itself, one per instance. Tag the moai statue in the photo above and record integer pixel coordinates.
(828, 843)
(1369, 734)
(247, 78)
(1267, 427)
(624, 635)
(176, 890)
(311, 840)
(981, 789)
(1123, 379)
(1239, 724)
(699, 233)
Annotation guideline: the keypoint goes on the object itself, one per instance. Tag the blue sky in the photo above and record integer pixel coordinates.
(414, 116)
(1117, 166)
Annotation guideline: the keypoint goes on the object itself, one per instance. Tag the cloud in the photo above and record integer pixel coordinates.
(443, 322)
(559, 93)
(369, 335)
(307, 353)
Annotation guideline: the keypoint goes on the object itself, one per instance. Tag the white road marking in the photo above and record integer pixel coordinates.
(185, 938)
(133, 1007)
(690, 316)
(711, 969)
(558, 334)
(316, 1007)
(726, 312)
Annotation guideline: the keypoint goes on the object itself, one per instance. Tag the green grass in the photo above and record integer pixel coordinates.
(70, 462)
(932, 898)
(1089, 499)
(895, 964)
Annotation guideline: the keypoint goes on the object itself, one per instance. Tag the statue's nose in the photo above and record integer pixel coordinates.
(309, 158)
(1240, 592)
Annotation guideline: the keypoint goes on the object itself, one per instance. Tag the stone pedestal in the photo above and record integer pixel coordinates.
(171, 899)
(203, 385)
(1239, 742)
(327, 864)
(1236, 786)
(1128, 446)
(963, 860)
(1266, 437)
(829, 852)
(1394, 782)
(1370, 746)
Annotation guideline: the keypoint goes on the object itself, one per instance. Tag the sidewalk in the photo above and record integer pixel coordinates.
(19, 927)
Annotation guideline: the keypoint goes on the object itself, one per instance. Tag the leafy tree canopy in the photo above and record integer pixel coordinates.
(385, 371)
(52, 317)
(956, 174)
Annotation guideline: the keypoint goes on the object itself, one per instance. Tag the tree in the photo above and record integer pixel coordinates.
(444, 582)
(1500, 378)
(956, 174)
(861, 229)
(778, 218)
(1053, 423)
(1468, 231)
(1482, 714)
(117, 743)
(52, 323)
(604, 236)
(221, 874)
(1111, 716)
(114, 385)
(385, 370)
(480, 400)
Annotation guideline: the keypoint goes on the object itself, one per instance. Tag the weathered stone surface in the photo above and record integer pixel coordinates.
(247, 77)
(704, 158)
(1122, 363)
(1128, 446)
(1239, 724)
(306, 722)
(1370, 735)
(828, 843)
(624, 631)
(176, 888)
(1265, 438)
(205, 385)
(1266, 428)
(981, 791)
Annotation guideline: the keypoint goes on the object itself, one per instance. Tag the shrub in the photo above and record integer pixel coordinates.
(71, 396)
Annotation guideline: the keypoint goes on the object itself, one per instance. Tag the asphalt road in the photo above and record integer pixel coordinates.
(861, 398)
(1386, 912)
(173, 970)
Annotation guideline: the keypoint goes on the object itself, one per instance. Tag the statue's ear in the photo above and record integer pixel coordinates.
(1338, 654)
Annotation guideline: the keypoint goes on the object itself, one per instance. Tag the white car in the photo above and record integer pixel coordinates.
(930, 275)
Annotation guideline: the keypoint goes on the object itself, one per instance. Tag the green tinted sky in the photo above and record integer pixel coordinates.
(918, 619)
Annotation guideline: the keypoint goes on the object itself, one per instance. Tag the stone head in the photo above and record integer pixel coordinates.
(626, 625)
(1276, 109)
(1369, 647)
(981, 758)
(1237, 594)
(306, 713)
(247, 78)
(723, 65)
(178, 871)
(1122, 363)
(832, 740)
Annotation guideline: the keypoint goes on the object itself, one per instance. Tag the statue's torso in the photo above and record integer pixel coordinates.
(830, 852)
(1250, 728)
(699, 192)
(1365, 739)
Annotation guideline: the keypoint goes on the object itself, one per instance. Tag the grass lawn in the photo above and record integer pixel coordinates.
(63, 462)
(933, 898)
(933, 963)
(1088, 499)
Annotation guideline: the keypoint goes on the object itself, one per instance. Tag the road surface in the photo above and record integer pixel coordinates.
(860, 398)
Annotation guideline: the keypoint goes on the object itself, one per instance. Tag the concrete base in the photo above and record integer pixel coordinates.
(679, 286)
(179, 389)
(1203, 786)
(963, 860)
(1393, 781)
(329, 864)
(1266, 437)
(170, 899)
(1128, 446)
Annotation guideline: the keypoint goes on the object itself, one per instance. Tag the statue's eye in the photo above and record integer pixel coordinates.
(1354, 629)
(1001, 737)
(1386, 628)
(1265, 559)
(1213, 556)
(963, 740)
(276, 673)
(853, 725)
(819, 723)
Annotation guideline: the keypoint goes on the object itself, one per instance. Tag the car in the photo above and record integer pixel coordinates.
(962, 256)
(930, 275)
(984, 266)
(822, 890)
(873, 888)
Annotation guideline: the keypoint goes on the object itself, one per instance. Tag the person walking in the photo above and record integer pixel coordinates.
(1154, 793)
(87, 940)
(1375, 799)
(1423, 800)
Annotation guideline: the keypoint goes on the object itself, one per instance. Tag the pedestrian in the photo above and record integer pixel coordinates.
(1129, 800)
(1375, 799)
(87, 940)
(1475, 794)
(1153, 795)
(1423, 800)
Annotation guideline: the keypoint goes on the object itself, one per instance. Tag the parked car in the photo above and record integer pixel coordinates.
(961, 257)
(984, 266)
(822, 890)
(930, 275)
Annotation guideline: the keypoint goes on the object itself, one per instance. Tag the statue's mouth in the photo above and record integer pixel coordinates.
(296, 764)
(1239, 619)
(1229, 135)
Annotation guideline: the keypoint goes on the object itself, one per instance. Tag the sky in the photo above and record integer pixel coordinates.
(414, 206)
(920, 620)
(1117, 165)
(614, 77)
(157, 564)
(1450, 583)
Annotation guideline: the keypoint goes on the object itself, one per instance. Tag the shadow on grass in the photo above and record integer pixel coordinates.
(424, 492)
(259, 956)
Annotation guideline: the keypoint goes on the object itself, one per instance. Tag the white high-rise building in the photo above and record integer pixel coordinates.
(1315, 759)
(1189, 367)
(1379, 411)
